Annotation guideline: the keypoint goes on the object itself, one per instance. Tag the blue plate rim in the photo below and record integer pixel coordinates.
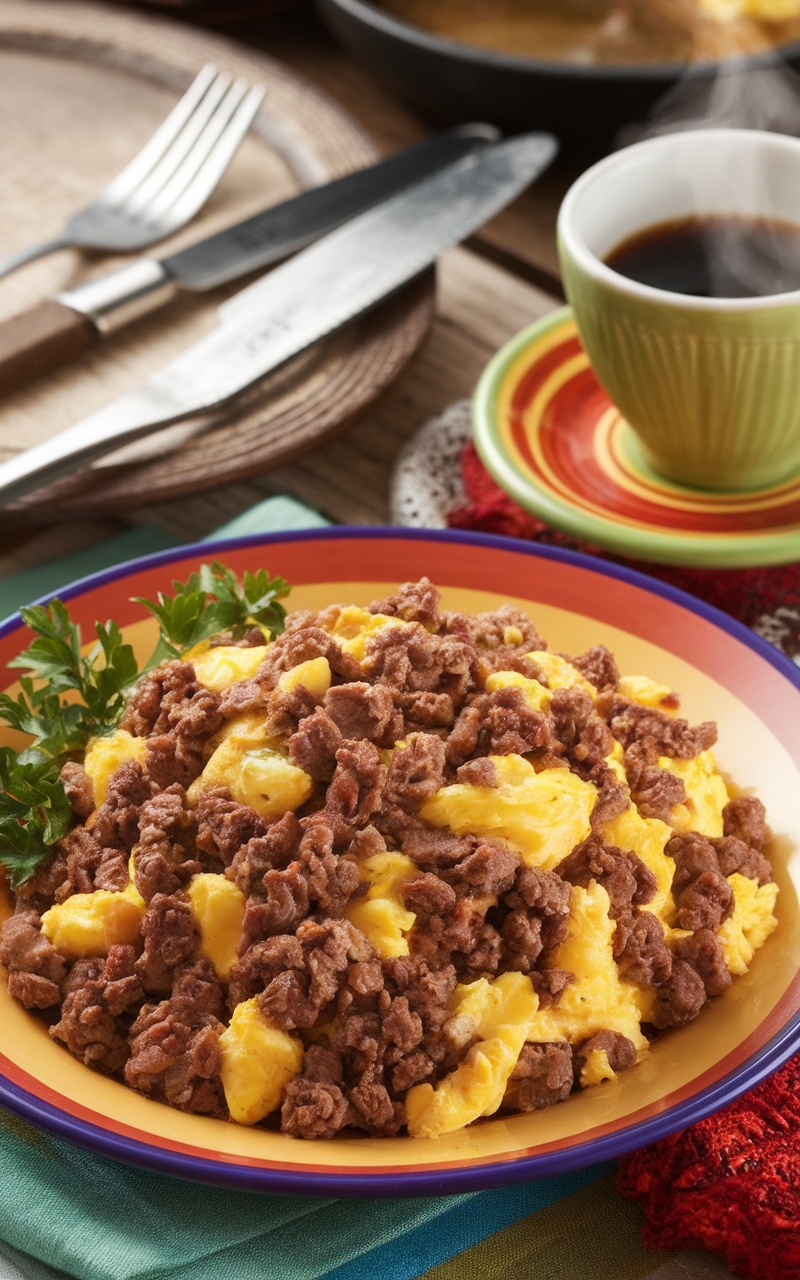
(581, 559)
(372, 1184)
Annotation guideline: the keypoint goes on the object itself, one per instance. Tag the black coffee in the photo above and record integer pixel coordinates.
(713, 257)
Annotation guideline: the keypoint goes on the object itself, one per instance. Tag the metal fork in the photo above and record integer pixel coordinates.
(169, 180)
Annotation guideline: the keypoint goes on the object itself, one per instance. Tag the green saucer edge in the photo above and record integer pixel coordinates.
(701, 551)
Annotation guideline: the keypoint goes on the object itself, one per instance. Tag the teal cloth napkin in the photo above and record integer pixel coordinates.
(273, 515)
(94, 1219)
(98, 1220)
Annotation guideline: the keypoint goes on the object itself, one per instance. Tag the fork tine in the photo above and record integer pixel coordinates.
(148, 189)
(200, 172)
(191, 142)
(152, 152)
(168, 181)
(207, 177)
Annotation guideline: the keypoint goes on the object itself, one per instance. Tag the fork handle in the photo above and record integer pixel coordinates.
(39, 340)
(30, 254)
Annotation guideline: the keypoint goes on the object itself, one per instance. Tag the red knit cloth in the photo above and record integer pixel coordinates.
(768, 598)
(731, 1183)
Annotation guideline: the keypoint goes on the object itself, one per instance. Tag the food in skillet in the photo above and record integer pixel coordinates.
(609, 32)
(388, 869)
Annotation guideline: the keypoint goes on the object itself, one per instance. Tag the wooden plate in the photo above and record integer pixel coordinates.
(81, 88)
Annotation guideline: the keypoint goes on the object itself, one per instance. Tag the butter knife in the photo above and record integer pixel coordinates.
(63, 328)
(319, 291)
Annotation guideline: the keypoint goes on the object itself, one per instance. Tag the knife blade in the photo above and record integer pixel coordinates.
(62, 328)
(302, 301)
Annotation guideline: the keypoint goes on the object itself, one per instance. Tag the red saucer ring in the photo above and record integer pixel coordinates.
(550, 436)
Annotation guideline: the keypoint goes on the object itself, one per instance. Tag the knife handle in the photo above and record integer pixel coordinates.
(40, 340)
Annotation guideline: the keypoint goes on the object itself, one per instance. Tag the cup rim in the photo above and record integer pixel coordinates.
(571, 243)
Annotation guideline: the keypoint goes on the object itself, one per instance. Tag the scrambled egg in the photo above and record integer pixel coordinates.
(647, 838)
(504, 1013)
(380, 914)
(596, 1069)
(763, 10)
(354, 627)
(248, 727)
(648, 693)
(751, 922)
(537, 695)
(314, 675)
(256, 775)
(89, 924)
(556, 672)
(706, 795)
(598, 999)
(217, 667)
(559, 673)
(258, 1060)
(246, 760)
(540, 815)
(498, 1012)
(217, 907)
(104, 755)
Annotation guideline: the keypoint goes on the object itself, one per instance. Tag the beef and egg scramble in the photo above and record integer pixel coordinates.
(608, 32)
(391, 871)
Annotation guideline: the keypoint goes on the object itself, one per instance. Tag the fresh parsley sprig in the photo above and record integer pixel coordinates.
(54, 665)
(67, 697)
(34, 811)
(214, 600)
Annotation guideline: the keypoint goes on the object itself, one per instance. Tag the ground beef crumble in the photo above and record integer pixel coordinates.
(413, 716)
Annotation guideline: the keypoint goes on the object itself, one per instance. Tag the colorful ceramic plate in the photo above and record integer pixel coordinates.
(551, 437)
(721, 670)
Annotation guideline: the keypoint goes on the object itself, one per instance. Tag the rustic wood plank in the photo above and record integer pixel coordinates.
(27, 548)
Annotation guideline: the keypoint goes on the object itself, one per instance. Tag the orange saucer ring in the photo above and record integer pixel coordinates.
(550, 436)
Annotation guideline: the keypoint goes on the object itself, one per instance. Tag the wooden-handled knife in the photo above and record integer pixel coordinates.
(322, 289)
(63, 328)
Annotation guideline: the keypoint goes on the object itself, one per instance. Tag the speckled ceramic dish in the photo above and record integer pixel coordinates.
(722, 672)
(551, 437)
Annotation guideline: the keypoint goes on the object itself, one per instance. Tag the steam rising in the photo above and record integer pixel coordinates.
(737, 97)
(765, 98)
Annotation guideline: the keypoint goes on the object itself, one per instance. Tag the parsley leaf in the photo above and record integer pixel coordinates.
(54, 725)
(67, 697)
(214, 600)
(34, 810)
(53, 666)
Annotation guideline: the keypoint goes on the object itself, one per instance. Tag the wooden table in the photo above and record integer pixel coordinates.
(501, 280)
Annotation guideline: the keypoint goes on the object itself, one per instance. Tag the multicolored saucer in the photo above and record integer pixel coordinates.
(550, 436)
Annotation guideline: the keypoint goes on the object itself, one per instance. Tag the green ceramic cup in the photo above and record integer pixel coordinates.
(710, 386)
